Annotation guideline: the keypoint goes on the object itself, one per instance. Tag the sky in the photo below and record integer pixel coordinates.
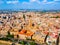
(30, 4)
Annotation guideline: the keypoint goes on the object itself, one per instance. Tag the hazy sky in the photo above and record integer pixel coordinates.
(30, 4)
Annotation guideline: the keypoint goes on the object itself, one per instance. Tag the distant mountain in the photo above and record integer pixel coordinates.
(27, 10)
